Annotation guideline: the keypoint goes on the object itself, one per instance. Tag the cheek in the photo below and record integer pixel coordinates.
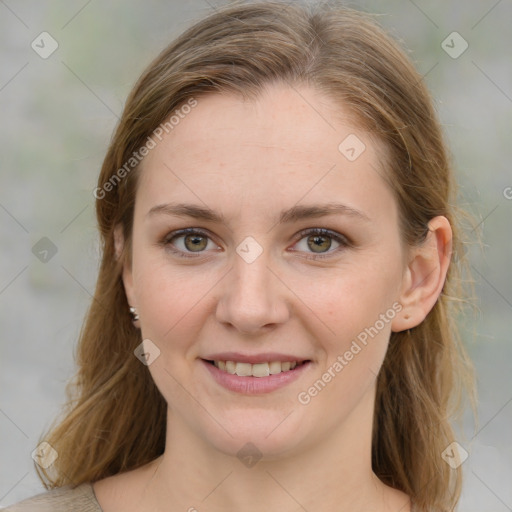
(171, 308)
(357, 314)
(356, 310)
(350, 302)
(168, 301)
(173, 305)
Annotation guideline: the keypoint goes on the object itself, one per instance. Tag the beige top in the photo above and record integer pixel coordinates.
(62, 499)
(66, 499)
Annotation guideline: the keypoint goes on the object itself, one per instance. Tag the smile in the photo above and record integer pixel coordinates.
(255, 377)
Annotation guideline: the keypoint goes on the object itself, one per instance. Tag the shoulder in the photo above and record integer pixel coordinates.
(63, 499)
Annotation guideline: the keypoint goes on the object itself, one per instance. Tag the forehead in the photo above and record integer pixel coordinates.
(288, 145)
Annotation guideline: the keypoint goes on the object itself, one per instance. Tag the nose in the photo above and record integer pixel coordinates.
(253, 298)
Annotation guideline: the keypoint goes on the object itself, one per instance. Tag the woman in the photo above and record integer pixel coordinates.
(273, 326)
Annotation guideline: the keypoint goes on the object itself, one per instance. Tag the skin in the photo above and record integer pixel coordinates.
(248, 160)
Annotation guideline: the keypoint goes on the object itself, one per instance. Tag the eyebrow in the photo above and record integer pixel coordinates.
(293, 214)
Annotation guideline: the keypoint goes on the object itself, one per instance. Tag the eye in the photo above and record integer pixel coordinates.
(192, 242)
(318, 241)
(188, 241)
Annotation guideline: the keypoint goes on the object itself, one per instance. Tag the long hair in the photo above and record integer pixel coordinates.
(241, 48)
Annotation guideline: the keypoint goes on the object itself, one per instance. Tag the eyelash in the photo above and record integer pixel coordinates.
(344, 243)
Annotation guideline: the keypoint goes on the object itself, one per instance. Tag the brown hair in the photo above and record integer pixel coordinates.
(241, 48)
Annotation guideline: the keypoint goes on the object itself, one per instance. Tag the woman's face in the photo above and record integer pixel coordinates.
(261, 287)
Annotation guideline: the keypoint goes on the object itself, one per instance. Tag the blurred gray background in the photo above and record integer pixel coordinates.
(57, 115)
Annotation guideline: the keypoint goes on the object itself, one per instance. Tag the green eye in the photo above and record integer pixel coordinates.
(191, 242)
(319, 241)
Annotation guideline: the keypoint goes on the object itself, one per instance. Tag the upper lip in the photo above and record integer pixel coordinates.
(254, 358)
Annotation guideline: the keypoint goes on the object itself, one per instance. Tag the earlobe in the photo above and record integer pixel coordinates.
(425, 275)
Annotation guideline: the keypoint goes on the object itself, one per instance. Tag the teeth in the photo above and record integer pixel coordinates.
(255, 370)
(243, 369)
(259, 370)
(275, 367)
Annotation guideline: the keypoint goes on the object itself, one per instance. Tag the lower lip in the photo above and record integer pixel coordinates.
(255, 385)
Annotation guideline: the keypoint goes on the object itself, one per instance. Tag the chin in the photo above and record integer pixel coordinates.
(260, 433)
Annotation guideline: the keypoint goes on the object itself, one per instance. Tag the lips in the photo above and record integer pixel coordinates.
(256, 373)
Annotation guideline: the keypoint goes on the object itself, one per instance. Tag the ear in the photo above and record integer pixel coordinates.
(425, 275)
(119, 244)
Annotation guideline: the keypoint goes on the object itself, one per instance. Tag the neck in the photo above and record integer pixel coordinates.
(330, 475)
